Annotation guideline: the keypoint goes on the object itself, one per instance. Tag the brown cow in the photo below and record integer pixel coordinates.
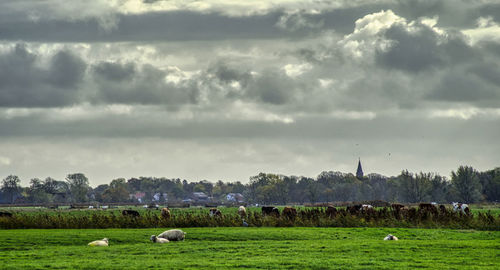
(165, 213)
(397, 206)
(427, 207)
(331, 211)
(354, 209)
(130, 213)
(290, 213)
(270, 210)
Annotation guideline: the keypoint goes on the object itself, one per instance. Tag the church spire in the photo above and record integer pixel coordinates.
(359, 172)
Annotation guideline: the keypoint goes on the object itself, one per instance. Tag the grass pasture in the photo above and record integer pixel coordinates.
(268, 248)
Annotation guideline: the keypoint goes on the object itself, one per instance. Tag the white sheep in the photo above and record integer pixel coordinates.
(158, 239)
(391, 237)
(99, 243)
(172, 235)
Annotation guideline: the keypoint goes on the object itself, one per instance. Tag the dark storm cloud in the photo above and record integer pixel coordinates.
(23, 83)
(158, 26)
(462, 86)
(128, 83)
(422, 50)
(228, 73)
(185, 25)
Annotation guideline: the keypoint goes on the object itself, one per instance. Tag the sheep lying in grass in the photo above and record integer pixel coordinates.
(158, 239)
(172, 235)
(99, 243)
(391, 237)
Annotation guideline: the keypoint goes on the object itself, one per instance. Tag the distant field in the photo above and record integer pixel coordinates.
(269, 248)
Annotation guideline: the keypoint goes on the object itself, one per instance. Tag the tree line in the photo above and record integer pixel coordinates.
(465, 185)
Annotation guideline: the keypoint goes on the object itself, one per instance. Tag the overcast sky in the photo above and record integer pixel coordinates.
(223, 90)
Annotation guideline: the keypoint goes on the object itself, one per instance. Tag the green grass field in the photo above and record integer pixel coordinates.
(269, 248)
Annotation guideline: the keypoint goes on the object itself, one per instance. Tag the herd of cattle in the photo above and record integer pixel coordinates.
(330, 211)
(291, 213)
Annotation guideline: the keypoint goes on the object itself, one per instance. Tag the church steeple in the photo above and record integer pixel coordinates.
(359, 172)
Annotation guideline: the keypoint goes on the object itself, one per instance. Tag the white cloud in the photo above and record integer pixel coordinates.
(294, 70)
(465, 113)
(487, 30)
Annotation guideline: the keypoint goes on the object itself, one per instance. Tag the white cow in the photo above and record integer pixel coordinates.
(460, 207)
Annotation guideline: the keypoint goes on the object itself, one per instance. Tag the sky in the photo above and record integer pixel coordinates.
(222, 90)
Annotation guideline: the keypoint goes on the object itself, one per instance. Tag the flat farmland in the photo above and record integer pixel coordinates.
(269, 248)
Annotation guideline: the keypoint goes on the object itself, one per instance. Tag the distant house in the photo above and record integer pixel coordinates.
(235, 197)
(200, 197)
(139, 196)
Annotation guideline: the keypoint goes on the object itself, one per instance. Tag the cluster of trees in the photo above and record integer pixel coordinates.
(465, 185)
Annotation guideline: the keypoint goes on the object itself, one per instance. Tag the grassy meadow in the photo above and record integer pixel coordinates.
(269, 248)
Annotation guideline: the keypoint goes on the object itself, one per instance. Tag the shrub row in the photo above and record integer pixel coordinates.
(309, 217)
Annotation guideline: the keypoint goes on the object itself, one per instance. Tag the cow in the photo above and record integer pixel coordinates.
(365, 207)
(331, 211)
(5, 214)
(397, 206)
(290, 213)
(130, 213)
(242, 211)
(427, 207)
(215, 212)
(165, 213)
(354, 209)
(461, 207)
(270, 210)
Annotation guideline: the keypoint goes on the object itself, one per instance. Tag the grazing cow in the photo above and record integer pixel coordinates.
(242, 211)
(397, 206)
(215, 212)
(99, 243)
(5, 214)
(365, 207)
(158, 240)
(290, 213)
(270, 210)
(427, 207)
(331, 211)
(165, 213)
(172, 235)
(130, 213)
(391, 237)
(354, 209)
(461, 207)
